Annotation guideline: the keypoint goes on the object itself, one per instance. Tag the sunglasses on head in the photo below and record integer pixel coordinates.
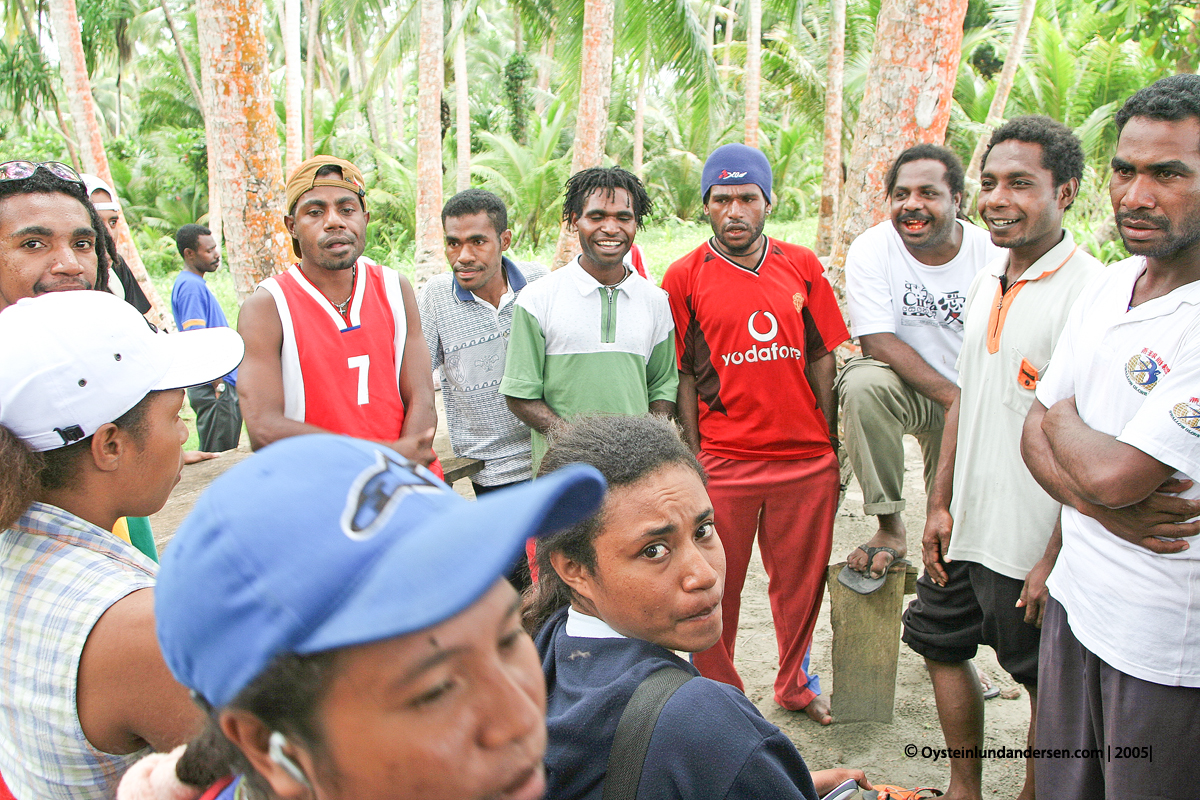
(19, 170)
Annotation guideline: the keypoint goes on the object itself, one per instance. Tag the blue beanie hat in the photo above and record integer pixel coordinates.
(734, 165)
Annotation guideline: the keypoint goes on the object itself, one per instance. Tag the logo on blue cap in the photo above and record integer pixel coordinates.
(379, 489)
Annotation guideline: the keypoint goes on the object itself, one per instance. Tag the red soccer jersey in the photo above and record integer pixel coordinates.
(343, 373)
(746, 337)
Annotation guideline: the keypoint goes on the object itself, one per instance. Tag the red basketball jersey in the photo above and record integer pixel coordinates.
(746, 337)
(343, 373)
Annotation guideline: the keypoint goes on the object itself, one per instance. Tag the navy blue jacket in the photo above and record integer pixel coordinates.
(710, 742)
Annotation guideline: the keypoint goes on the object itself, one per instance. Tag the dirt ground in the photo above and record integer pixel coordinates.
(874, 747)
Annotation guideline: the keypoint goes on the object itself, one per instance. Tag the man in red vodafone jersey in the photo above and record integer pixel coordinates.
(334, 343)
(756, 324)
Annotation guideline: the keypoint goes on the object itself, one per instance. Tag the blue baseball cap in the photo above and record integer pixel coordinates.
(320, 542)
(736, 165)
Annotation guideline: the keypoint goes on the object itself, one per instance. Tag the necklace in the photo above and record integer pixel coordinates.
(342, 306)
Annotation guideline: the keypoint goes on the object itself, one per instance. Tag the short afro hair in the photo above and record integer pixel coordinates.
(1170, 99)
(1062, 153)
(476, 201)
(605, 179)
(188, 237)
(955, 178)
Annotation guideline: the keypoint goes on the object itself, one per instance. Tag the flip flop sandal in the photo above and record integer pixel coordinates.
(887, 792)
(862, 582)
(990, 687)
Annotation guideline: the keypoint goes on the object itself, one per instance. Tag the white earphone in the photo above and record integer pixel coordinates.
(275, 752)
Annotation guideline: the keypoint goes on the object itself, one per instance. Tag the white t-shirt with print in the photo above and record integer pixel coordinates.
(1135, 375)
(889, 291)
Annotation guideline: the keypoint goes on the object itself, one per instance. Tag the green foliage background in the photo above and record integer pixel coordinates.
(1082, 60)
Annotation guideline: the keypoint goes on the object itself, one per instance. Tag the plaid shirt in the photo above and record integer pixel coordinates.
(58, 575)
(468, 339)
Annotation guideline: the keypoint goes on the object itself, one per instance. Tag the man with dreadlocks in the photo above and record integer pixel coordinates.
(592, 336)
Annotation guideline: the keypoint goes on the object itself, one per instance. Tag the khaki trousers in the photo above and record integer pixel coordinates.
(877, 410)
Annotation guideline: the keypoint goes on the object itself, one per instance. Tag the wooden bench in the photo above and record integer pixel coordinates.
(866, 644)
(456, 468)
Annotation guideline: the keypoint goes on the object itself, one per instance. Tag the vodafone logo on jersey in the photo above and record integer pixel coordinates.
(770, 334)
(763, 327)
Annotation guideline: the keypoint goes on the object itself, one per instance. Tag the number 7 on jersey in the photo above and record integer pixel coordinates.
(363, 365)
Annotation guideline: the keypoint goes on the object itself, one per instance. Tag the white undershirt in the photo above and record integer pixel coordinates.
(585, 626)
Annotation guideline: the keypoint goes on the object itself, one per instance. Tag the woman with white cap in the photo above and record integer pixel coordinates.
(89, 432)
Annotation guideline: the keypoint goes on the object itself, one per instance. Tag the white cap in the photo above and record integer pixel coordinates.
(72, 361)
(94, 183)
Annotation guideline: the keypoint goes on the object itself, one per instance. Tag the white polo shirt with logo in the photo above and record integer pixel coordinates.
(1135, 375)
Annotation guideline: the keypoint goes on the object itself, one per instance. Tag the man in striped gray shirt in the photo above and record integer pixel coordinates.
(466, 316)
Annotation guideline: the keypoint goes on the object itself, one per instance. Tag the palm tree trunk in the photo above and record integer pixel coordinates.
(184, 61)
(65, 19)
(1004, 84)
(639, 114)
(462, 102)
(907, 101)
(753, 71)
(68, 137)
(389, 113)
(293, 93)
(831, 170)
(545, 68)
(354, 55)
(730, 18)
(430, 80)
(310, 75)
(243, 139)
(591, 122)
(214, 189)
(327, 79)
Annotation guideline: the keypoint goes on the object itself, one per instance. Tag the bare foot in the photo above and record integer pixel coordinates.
(891, 534)
(818, 710)
(196, 456)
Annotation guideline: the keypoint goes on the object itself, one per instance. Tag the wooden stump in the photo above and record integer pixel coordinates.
(866, 644)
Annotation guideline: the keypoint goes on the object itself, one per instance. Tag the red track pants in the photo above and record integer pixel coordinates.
(790, 505)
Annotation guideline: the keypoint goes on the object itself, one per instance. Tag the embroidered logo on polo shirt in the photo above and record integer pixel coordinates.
(1187, 415)
(1144, 369)
(1027, 375)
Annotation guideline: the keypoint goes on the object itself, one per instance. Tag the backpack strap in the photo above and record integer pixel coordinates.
(632, 740)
